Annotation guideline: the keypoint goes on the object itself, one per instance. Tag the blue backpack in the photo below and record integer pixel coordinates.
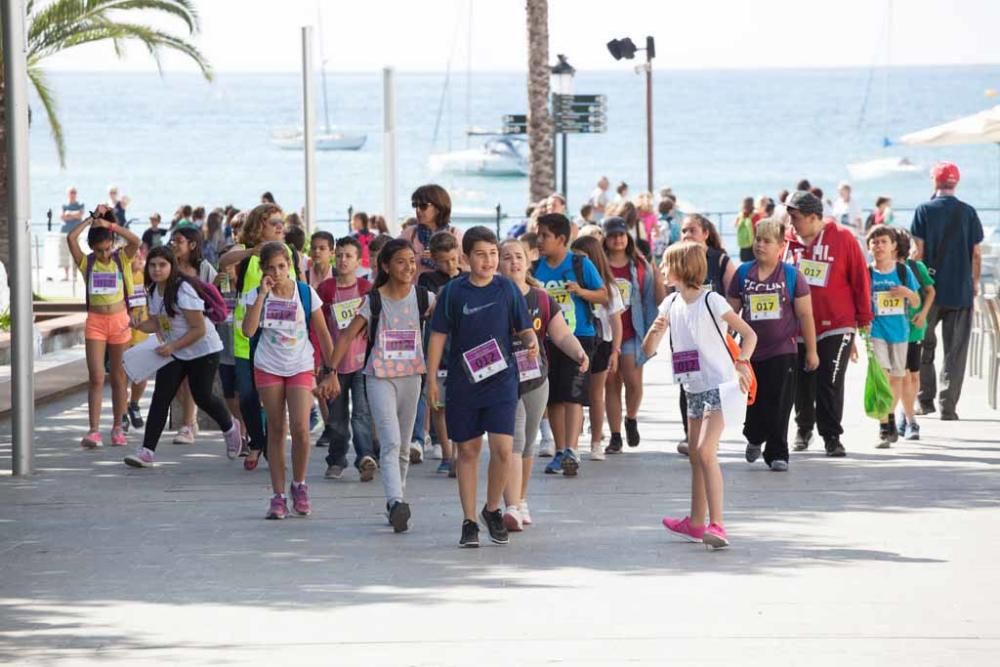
(791, 275)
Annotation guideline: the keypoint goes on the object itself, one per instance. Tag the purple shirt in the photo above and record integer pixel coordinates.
(769, 311)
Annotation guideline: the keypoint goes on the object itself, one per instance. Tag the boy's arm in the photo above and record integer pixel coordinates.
(804, 311)
(435, 350)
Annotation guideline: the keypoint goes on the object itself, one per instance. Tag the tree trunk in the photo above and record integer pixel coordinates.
(4, 235)
(542, 180)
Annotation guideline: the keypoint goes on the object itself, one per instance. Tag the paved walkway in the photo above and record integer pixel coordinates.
(885, 557)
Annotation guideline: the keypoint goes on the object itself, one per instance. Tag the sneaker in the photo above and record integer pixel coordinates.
(912, 431)
(278, 508)
(684, 529)
(525, 513)
(437, 452)
(314, 418)
(244, 449)
(334, 472)
(555, 465)
(135, 415)
(893, 433)
(324, 439)
(949, 416)
(494, 524)
(251, 462)
(118, 438)
(367, 468)
(884, 436)
(778, 465)
(715, 537)
(753, 452)
(234, 441)
(547, 448)
(802, 440)
(926, 408)
(570, 463)
(615, 445)
(125, 423)
(92, 441)
(596, 451)
(399, 516)
(416, 452)
(512, 519)
(682, 448)
(143, 458)
(470, 535)
(443, 468)
(300, 499)
(185, 436)
(901, 422)
(632, 432)
(833, 447)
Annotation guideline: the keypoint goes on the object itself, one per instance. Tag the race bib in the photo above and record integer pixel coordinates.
(625, 287)
(765, 307)
(527, 369)
(344, 311)
(565, 301)
(230, 302)
(484, 360)
(279, 314)
(817, 273)
(887, 304)
(399, 344)
(103, 283)
(164, 323)
(686, 364)
(138, 298)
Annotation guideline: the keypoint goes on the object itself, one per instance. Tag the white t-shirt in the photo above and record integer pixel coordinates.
(848, 213)
(173, 328)
(598, 199)
(284, 348)
(696, 342)
(604, 313)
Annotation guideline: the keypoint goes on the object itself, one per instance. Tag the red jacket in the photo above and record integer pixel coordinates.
(844, 303)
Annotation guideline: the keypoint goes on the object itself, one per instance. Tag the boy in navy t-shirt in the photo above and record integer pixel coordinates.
(478, 314)
(573, 281)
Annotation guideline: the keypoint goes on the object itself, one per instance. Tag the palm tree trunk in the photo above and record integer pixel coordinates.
(542, 180)
(4, 235)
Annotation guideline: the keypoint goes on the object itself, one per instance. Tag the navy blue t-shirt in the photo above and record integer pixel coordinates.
(471, 316)
(933, 221)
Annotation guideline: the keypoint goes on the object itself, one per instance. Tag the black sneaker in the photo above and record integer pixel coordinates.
(833, 447)
(884, 436)
(893, 432)
(470, 535)
(399, 516)
(802, 440)
(632, 432)
(753, 452)
(615, 446)
(949, 416)
(494, 524)
(926, 408)
(135, 415)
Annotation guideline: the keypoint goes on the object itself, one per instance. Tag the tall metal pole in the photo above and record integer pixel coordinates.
(309, 126)
(18, 227)
(565, 169)
(649, 119)
(389, 146)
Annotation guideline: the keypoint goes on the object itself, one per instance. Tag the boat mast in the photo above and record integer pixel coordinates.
(468, 77)
(322, 69)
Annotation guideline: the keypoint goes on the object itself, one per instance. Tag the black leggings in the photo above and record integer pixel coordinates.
(200, 373)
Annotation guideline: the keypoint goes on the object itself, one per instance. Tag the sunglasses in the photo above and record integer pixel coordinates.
(419, 205)
(276, 223)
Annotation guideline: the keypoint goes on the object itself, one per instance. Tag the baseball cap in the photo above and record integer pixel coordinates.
(945, 174)
(805, 202)
(615, 225)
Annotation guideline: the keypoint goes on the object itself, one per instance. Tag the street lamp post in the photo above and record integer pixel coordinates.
(626, 48)
(562, 85)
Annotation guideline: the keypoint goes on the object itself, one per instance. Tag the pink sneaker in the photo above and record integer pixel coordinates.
(234, 440)
(118, 438)
(684, 528)
(143, 458)
(300, 499)
(278, 508)
(92, 441)
(715, 537)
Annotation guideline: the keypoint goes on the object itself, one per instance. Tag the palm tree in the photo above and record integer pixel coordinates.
(59, 25)
(542, 179)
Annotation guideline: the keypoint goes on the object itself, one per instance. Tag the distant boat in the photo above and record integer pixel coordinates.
(328, 140)
(882, 167)
(500, 156)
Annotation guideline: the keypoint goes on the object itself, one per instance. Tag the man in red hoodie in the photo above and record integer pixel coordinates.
(830, 258)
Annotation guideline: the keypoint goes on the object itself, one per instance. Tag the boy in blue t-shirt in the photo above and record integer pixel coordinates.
(894, 290)
(573, 281)
(479, 314)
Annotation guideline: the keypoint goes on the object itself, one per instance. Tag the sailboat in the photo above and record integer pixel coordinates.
(330, 139)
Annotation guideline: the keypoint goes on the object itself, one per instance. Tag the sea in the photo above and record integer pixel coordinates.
(719, 136)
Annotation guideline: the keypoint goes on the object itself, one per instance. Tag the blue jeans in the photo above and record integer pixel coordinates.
(253, 414)
(419, 426)
(350, 406)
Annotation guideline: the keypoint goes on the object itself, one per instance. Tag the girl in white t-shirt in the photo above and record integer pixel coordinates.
(284, 368)
(701, 362)
(177, 317)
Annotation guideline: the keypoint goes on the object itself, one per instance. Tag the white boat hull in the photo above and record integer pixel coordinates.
(498, 157)
(332, 141)
(881, 168)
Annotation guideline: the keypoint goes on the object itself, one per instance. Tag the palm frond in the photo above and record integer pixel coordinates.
(38, 80)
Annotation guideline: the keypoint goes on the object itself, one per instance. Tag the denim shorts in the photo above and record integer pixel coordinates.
(631, 346)
(702, 402)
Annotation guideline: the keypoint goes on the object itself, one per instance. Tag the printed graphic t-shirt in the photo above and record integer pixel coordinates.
(891, 323)
(340, 305)
(769, 311)
(284, 349)
(576, 310)
(397, 351)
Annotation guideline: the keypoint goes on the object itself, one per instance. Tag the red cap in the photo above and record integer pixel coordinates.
(945, 174)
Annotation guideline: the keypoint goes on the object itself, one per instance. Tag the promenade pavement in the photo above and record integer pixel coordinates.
(884, 557)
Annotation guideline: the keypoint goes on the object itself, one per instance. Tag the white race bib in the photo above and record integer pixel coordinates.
(400, 344)
(279, 314)
(765, 306)
(817, 273)
(887, 304)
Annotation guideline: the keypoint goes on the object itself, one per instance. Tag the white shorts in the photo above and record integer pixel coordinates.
(891, 356)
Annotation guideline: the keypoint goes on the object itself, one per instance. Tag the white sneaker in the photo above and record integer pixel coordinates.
(512, 519)
(185, 436)
(416, 452)
(525, 513)
(143, 458)
(547, 448)
(436, 452)
(596, 451)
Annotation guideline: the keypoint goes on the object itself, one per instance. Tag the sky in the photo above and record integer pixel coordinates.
(423, 35)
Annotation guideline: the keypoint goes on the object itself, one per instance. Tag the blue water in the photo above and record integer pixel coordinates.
(719, 136)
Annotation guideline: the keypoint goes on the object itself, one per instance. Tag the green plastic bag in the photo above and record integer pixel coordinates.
(878, 392)
(744, 232)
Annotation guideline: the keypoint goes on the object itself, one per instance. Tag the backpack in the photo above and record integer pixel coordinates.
(215, 305)
(91, 261)
(791, 276)
(305, 298)
(375, 305)
(577, 263)
(900, 273)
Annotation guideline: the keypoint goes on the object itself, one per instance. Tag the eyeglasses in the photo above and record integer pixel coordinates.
(419, 205)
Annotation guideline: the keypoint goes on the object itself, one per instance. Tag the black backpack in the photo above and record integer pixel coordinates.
(375, 305)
